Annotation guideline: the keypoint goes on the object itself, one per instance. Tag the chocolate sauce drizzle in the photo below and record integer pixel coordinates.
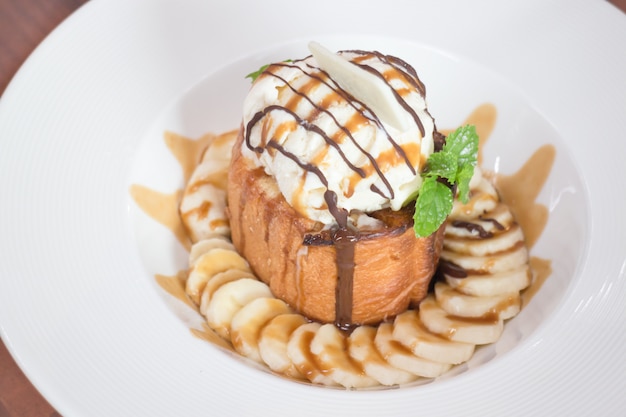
(451, 269)
(495, 223)
(363, 110)
(472, 227)
(344, 236)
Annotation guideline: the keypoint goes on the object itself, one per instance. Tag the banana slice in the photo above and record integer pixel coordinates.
(483, 199)
(214, 261)
(210, 242)
(299, 351)
(494, 221)
(216, 157)
(409, 331)
(202, 207)
(229, 299)
(273, 344)
(505, 305)
(492, 284)
(362, 349)
(329, 347)
(247, 323)
(478, 331)
(491, 264)
(203, 212)
(217, 281)
(402, 358)
(482, 247)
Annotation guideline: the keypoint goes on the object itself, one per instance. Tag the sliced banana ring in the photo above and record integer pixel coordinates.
(299, 351)
(500, 242)
(455, 303)
(411, 332)
(489, 264)
(202, 207)
(229, 299)
(494, 221)
(478, 331)
(245, 328)
(329, 347)
(362, 348)
(216, 281)
(273, 341)
(212, 241)
(402, 358)
(214, 261)
(487, 285)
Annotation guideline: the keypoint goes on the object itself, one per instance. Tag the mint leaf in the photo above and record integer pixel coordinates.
(463, 144)
(455, 163)
(433, 204)
(255, 74)
(463, 177)
(441, 164)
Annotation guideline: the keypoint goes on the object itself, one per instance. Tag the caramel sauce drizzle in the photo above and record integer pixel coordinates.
(521, 189)
(163, 208)
(206, 333)
(175, 286)
(541, 269)
(188, 152)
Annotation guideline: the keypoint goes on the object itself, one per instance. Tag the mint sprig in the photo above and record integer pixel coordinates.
(455, 164)
(256, 74)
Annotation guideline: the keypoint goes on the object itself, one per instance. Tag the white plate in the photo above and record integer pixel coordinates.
(84, 118)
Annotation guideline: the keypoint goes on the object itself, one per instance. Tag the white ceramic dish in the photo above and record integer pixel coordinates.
(84, 118)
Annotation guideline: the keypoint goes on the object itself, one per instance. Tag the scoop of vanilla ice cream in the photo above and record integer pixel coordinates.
(312, 136)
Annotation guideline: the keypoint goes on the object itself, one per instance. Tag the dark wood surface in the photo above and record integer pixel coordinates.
(23, 25)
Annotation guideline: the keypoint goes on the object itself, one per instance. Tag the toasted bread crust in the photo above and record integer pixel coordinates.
(392, 268)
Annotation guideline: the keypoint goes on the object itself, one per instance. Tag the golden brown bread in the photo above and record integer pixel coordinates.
(392, 268)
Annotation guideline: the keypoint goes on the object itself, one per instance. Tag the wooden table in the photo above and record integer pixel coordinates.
(23, 24)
